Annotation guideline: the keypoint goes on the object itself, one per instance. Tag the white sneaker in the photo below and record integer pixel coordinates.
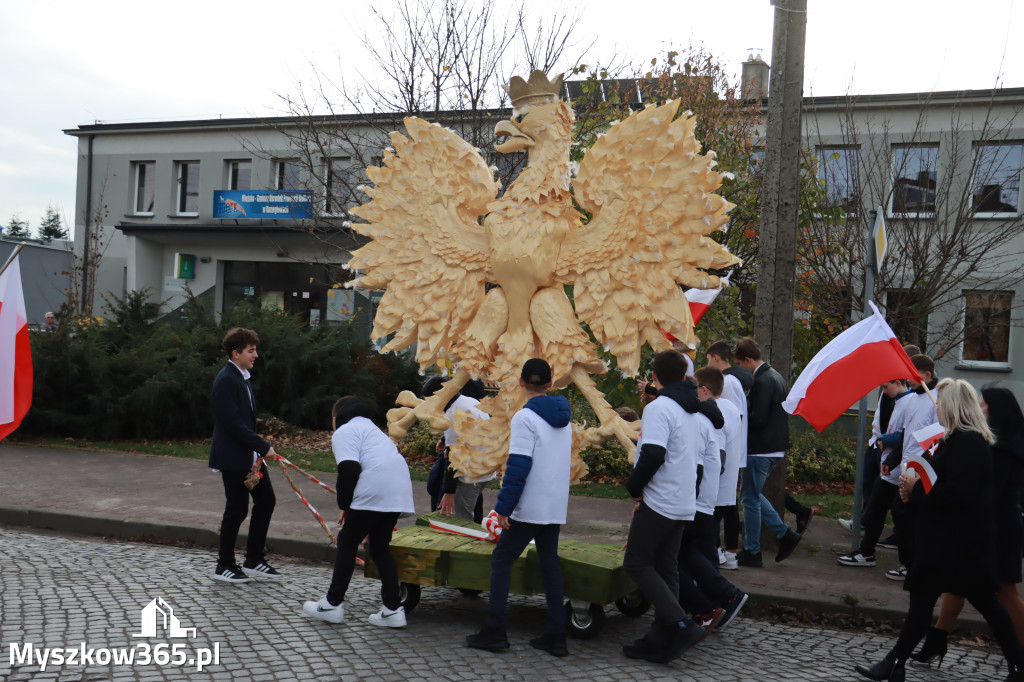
(727, 561)
(386, 618)
(324, 610)
(847, 524)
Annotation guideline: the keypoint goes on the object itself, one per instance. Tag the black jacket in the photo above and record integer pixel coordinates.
(768, 423)
(234, 423)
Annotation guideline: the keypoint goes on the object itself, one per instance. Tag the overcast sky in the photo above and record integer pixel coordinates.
(71, 63)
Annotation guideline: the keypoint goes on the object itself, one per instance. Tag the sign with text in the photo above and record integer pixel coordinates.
(261, 204)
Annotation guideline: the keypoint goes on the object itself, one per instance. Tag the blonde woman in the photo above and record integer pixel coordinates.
(954, 533)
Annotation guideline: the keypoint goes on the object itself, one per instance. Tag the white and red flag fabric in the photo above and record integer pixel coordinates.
(924, 471)
(700, 300)
(848, 368)
(929, 436)
(15, 356)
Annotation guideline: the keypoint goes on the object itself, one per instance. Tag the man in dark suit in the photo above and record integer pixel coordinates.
(234, 450)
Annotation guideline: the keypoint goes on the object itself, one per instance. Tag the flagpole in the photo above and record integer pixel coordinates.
(14, 255)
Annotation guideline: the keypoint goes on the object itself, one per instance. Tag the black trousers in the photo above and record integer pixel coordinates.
(879, 502)
(904, 516)
(360, 523)
(652, 561)
(919, 617)
(702, 588)
(729, 515)
(236, 508)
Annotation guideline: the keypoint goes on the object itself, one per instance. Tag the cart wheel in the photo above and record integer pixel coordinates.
(583, 622)
(633, 604)
(409, 595)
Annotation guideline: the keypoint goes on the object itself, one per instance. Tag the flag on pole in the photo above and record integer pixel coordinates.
(848, 368)
(701, 299)
(15, 356)
(924, 471)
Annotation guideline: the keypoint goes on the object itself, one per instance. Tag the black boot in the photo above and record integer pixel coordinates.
(887, 669)
(934, 645)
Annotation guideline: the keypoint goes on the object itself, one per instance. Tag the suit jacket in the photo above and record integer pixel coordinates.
(234, 423)
(768, 423)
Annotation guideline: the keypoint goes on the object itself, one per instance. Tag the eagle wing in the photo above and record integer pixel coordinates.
(428, 249)
(651, 194)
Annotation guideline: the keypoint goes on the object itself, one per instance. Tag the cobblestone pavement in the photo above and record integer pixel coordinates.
(58, 593)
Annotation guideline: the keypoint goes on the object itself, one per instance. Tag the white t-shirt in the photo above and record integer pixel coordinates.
(384, 484)
(672, 491)
(712, 441)
(735, 433)
(465, 404)
(918, 412)
(545, 497)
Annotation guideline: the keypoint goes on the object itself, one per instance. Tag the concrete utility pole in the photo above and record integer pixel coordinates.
(776, 264)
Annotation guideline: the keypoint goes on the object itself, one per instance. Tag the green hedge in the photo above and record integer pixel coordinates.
(133, 376)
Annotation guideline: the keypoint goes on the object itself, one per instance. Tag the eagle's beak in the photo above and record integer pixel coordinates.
(518, 140)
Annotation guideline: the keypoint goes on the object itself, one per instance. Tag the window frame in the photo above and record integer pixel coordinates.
(824, 153)
(181, 202)
(136, 167)
(280, 175)
(987, 364)
(978, 146)
(232, 168)
(329, 164)
(896, 148)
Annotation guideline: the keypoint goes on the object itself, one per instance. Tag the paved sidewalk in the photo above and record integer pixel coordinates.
(125, 496)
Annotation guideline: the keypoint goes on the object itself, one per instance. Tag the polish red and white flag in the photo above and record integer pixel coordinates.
(924, 471)
(849, 367)
(929, 436)
(15, 355)
(701, 299)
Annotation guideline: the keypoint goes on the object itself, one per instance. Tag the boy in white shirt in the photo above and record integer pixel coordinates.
(374, 489)
(716, 601)
(664, 484)
(460, 496)
(532, 505)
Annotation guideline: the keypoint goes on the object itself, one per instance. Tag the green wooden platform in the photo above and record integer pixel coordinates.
(429, 557)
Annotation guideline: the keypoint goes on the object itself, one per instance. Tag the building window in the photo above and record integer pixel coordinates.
(987, 326)
(239, 174)
(838, 169)
(907, 317)
(916, 175)
(339, 180)
(144, 172)
(288, 173)
(996, 185)
(188, 188)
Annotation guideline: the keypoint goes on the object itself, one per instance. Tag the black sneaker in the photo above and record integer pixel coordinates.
(260, 569)
(856, 559)
(787, 543)
(641, 648)
(803, 520)
(682, 640)
(553, 644)
(230, 573)
(732, 608)
(888, 543)
(489, 639)
(748, 559)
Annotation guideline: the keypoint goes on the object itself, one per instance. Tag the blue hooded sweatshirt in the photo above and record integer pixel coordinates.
(554, 409)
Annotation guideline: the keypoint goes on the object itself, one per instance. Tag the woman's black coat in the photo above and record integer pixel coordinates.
(955, 524)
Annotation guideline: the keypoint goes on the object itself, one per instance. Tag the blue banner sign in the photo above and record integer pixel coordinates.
(258, 204)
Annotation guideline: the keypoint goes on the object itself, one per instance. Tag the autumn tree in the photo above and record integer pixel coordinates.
(945, 169)
(442, 61)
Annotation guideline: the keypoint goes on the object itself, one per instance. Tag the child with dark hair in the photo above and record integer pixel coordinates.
(374, 490)
(664, 485)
